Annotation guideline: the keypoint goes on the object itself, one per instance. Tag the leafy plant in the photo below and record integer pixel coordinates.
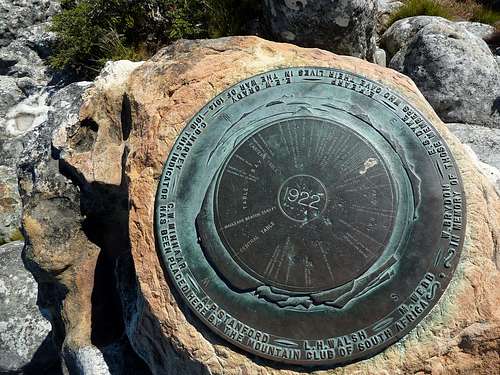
(91, 32)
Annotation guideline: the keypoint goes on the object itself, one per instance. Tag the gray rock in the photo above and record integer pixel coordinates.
(24, 333)
(385, 10)
(10, 205)
(380, 57)
(10, 94)
(86, 361)
(17, 15)
(402, 32)
(453, 68)
(481, 30)
(18, 60)
(345, 27)
(484, 141)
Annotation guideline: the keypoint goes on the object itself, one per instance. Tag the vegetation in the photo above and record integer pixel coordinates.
(414, 8)
(91, 32)
(485, 15)
(472, 10)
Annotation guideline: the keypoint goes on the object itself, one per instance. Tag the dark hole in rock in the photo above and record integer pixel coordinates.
(126, 117)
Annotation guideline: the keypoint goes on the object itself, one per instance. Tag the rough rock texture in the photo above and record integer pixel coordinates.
(345, 27)
(485, 143)
(385, 9)
(17, 15)
(65, 220)
(135, 126)
(25, 340)
(453, 68)
(10, 205)
(24, 76)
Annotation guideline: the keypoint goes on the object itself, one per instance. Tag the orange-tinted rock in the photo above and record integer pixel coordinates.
(138, 123)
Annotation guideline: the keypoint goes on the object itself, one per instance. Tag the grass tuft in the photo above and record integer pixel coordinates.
(413, 8)
(485, 15)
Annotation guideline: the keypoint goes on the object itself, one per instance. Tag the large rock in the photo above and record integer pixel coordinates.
(452, 67)
(135, 127)
(345, 27)
(25, 340)
(67, 223)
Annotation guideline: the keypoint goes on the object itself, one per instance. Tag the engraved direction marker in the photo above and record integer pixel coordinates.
(314, 217)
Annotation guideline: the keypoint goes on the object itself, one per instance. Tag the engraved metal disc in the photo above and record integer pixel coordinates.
(310, 216)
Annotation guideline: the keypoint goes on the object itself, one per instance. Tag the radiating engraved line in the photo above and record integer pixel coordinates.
(283, 138)
(356, 159)
(355, 177)
(326, 259)
(307, 271)
(242, 159)
(359, 246)
(360, 232)
(362, 188)
(266, 146)
(237, 172)
(375, 211)
(274, 264)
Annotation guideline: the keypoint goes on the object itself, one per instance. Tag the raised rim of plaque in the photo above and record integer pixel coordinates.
(201, 268)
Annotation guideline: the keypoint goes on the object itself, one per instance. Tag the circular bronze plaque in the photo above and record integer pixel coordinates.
(310, 216)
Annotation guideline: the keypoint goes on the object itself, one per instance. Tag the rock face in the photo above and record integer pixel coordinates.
(17, 15)
(454, 68)
(385, 9)
(343, 26)
(65, 247)
(25, 340)
(24, 43)
(115, 154)
(485, 143)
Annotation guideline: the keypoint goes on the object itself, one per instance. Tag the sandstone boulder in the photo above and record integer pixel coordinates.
(136, 116)
(453, 68)
(345, 27)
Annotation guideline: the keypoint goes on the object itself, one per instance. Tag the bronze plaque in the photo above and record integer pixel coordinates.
(310, 216)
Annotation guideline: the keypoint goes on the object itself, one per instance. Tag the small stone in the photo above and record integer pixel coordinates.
(380, 57)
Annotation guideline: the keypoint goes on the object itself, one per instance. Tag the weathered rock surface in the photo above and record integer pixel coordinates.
(67, 222)
(10, 205)
(345, 27)
(453, 68)
(385, 9)
(485, 143)
(24, 75)
(17, 15)
(126, 130)
(25, 340)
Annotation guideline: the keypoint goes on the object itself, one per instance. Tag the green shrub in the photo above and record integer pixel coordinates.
(414, 8)
(485, 15)
(91, 32)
